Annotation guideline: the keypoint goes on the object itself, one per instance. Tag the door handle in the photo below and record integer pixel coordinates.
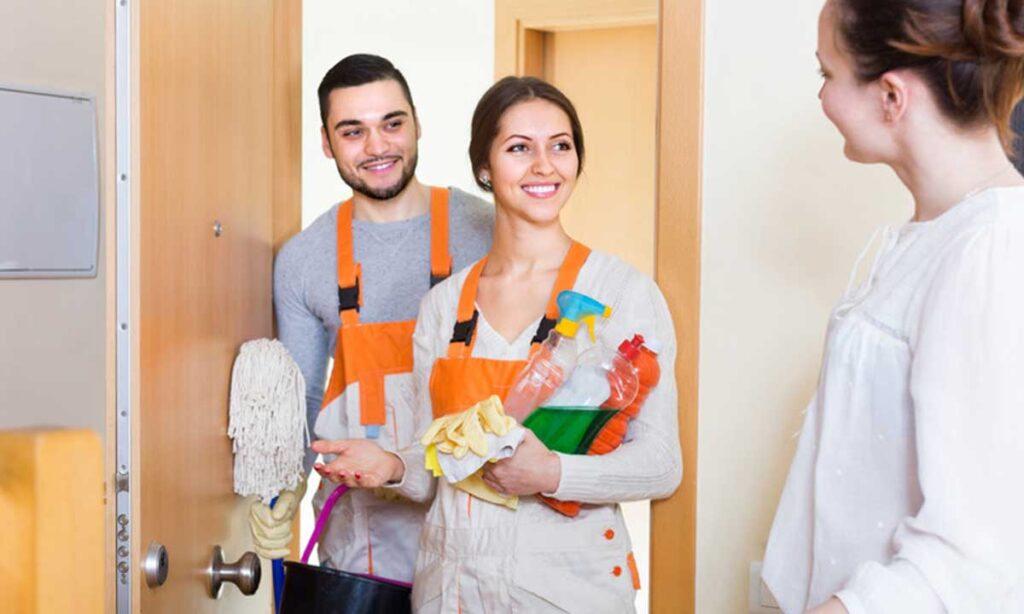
(243, 573)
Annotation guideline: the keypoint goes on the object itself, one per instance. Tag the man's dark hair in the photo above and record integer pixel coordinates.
(355, 70)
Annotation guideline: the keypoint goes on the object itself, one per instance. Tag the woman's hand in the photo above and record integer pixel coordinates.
(360, 463)
(832, 606)
(532, 469)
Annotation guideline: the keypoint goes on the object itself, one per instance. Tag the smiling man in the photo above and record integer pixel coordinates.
(349, 286)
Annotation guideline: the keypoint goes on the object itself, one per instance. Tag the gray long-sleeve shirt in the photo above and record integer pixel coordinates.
(395, 260)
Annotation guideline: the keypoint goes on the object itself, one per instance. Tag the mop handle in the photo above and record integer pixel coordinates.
(321, 521)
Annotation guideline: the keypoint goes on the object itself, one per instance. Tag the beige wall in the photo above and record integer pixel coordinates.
(784, 216)
(53, 332)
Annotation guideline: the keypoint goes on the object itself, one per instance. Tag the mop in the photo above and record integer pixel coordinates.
(267, 423)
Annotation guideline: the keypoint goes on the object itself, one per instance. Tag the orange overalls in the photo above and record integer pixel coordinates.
(480, 557)
(367, 534)
(366, 353)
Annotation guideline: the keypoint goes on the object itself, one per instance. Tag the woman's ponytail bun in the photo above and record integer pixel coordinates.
(970, 52)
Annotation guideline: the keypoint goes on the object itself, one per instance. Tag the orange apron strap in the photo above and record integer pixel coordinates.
(566, 279)
(371, 400)
(440, 256)
(350, 296)
(464, 335)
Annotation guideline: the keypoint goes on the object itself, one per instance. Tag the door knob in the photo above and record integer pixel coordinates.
(244, 573)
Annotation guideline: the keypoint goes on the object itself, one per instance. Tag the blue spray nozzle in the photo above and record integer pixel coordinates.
(575, 308)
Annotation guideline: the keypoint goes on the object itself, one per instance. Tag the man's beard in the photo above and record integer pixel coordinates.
(385, 193)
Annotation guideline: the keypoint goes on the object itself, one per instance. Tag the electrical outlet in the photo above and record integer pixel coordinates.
(759, 598)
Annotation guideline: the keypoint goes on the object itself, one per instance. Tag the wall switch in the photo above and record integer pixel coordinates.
(759, 598)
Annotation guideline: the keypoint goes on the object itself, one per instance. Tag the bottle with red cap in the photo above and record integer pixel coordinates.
(641, 361)
(644, 361)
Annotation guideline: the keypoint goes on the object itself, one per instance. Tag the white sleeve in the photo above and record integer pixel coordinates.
(418, 484)
(648, 464)
(964, 550)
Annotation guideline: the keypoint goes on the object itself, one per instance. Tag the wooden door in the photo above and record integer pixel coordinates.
(217, 87)
(610, 74)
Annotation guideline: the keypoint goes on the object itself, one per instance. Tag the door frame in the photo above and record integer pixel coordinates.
(520, 30)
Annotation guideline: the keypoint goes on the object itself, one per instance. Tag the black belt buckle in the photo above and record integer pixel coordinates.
(543, 329)
(463, 332)
(348, 298)
(436, 279)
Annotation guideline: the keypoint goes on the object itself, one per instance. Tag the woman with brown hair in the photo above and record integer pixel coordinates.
(473, 336)
(906, 493)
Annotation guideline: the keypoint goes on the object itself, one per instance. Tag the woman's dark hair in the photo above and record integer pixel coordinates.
(358, 69)
(502, 96)
(970, 52)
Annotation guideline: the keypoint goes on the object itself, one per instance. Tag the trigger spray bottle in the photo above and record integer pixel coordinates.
(555, 360)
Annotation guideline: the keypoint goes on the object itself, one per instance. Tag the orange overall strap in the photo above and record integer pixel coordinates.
(440, 257)
(463, 338)
(566, 279)
(350, 296)
(461, 344)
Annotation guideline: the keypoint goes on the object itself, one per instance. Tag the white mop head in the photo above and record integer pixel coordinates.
(267, 419)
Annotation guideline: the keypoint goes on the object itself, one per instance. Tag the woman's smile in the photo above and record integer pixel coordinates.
(541, 190)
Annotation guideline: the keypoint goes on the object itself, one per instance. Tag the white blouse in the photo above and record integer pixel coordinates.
(907, 490)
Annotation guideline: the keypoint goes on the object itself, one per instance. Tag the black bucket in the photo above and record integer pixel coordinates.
(320, 590)
(309, 589)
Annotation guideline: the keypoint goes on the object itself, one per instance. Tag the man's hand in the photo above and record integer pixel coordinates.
(271, 527)
(360, 463)
(532, 469)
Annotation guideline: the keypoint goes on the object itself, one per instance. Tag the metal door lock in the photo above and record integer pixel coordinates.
(155, 565)
(244, 573)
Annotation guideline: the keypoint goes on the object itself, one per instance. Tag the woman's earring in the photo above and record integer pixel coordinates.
(888, 116)
(486, 180)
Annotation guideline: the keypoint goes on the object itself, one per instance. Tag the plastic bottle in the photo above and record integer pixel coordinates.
(602, 383)
(645, 362)
(556, 359)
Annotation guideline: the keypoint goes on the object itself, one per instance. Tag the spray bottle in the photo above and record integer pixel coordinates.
(555, 360)
(603, 383)
(604, 437)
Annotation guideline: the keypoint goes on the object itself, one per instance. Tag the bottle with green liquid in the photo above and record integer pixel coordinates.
(600, 383)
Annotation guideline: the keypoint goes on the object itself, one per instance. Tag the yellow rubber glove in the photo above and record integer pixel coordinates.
(476, 486)
(463, 432)
(272, 527)
(457, 434)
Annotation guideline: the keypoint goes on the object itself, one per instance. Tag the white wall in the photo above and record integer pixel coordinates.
(52, 331)
(784, 216)
(445, 49)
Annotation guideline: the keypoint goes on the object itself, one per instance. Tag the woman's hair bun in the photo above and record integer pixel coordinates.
(994, 28)
(970, 52)
(964, 30)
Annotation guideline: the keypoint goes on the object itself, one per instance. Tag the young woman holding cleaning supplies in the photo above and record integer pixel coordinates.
(473, 336)
(905, 493)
